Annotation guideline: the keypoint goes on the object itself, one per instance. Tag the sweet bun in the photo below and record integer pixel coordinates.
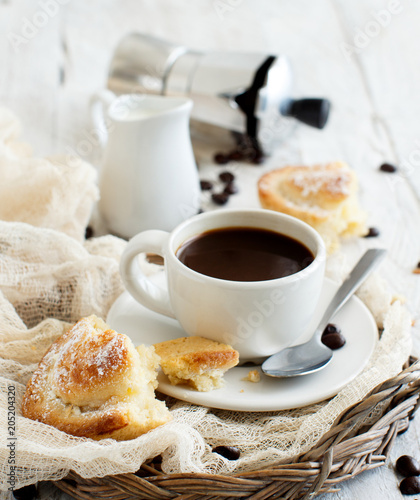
(324, 196)
(196, 361)
(94, 383)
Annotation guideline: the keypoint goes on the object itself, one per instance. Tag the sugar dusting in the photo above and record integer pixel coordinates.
(103, 354)
(312, 181)
(87, 385)
(55, 374)
(109, 357)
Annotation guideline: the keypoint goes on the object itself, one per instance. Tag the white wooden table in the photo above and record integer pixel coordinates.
(363, 55)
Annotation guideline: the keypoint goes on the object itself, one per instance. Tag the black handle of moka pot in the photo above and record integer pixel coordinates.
(312, 111)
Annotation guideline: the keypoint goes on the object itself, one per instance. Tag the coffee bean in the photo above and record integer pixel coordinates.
(258, 158)
(388, 167)
(220, 198)
(410, 485)
(249, 154)
(226, 177)
(230, 188)
(372, 233)
(88, 232)
(248, 150)
(236, 155)
(206, 185)
(408, 466)
(221, 158)
(333, 340)
(25, 493)
(331, 328)
(229, 452)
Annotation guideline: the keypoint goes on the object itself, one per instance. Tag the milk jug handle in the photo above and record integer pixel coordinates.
(99, 104)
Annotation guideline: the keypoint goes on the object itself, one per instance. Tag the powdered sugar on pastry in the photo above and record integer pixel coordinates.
(324, 196)
(92, 382)
(312, 181)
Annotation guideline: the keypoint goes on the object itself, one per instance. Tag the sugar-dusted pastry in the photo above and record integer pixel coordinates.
(324, 196)
(196, 361)
(93, 382)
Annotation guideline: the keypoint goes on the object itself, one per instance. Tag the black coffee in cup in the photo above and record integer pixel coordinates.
(244, 254)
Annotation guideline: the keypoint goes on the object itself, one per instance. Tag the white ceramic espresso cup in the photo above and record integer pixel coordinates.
(258, 318)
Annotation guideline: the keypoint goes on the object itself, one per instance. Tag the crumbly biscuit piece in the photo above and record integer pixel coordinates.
(324, 196)
(196, 361)
(94, 383)
(253, 376)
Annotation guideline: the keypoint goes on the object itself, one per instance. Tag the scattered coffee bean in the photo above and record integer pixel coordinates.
(88, 232)
(387, 167)
(221, 158)
(25, 493)
(226, 177)
(220, 198)
(258, 158)
(410, 485)
(408, 466)
(331, 328)
(334, 341)
(372, 233)
(236, 155)
(229, 452)
(249, 154)
(332, 337)
(248, 149)
(230, 188)
(206, 185)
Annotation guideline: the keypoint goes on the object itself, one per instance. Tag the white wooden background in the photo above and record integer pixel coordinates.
(48, 75)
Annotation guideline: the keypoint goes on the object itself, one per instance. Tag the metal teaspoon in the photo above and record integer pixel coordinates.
(314, 355)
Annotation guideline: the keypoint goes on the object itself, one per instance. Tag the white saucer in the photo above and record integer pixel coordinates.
(355, 320)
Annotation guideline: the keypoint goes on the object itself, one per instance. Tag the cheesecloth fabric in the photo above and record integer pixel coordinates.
(50, 277)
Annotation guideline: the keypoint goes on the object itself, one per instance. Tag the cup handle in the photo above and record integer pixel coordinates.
(136, 282)
(99, 104)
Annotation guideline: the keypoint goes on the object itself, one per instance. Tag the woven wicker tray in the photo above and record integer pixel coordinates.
(341, 453)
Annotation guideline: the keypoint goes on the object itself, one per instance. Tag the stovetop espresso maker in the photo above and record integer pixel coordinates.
(247, 93)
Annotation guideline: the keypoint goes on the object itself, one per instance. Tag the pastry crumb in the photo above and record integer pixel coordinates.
(416, 270)
(242, 390)
(253, 376)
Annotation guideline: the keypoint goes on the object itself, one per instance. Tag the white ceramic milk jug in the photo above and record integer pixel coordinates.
(149, 178)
